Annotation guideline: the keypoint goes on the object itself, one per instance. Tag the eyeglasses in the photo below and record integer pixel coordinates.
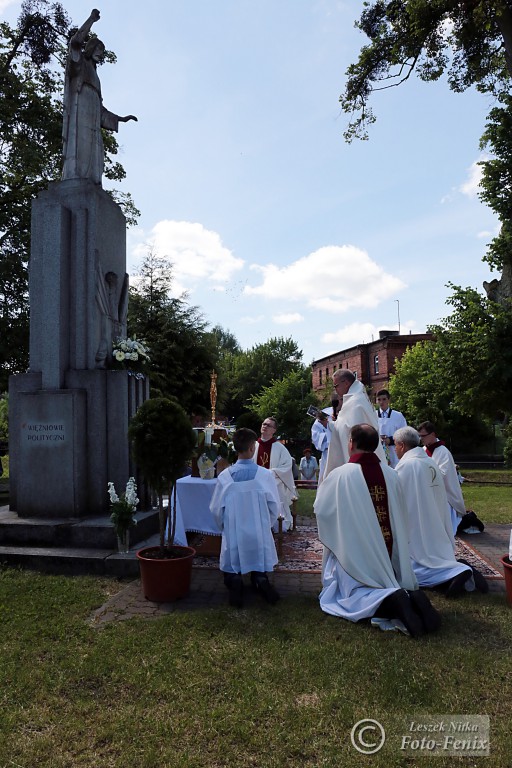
(426, 434)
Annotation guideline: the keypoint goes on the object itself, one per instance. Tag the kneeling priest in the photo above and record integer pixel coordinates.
(362, 524)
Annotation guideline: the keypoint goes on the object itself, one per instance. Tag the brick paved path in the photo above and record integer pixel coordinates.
(208, 589)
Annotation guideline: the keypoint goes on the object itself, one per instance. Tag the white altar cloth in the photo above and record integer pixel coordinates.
(193, 496)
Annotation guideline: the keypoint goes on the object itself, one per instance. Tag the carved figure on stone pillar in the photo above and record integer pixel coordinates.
(84, 113)
(112, 307)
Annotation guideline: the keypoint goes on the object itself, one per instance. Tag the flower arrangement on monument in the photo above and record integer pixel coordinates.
(130, 354)
(123, 508)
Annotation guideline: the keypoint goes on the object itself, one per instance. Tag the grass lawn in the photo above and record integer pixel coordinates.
(265, 687)
(259, 688)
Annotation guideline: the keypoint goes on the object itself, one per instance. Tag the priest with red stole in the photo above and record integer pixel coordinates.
(273, 455)
(362, 524)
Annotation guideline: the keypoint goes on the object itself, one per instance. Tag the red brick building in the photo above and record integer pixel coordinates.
(373, 363)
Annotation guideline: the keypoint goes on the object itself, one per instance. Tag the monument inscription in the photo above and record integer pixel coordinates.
(44, 433)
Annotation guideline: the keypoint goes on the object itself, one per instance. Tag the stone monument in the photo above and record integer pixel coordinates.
(69, 414)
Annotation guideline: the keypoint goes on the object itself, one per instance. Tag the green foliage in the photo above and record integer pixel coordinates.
(507, 451)
(182, 352)
(473, 344)
(247, 373)
(496, 183)
(470, 42)
(462, 380)
(4, 418)
(162, 441)
(250, 420)
(287, 399)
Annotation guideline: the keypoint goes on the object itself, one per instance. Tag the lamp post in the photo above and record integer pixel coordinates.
(398, 310)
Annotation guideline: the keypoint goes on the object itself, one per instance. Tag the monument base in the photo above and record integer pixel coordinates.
(66, 445)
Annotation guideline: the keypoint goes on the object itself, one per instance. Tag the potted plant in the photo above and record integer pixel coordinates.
(162, 442)
(122, 512)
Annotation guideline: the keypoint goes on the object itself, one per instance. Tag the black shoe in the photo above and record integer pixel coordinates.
(400, 606)
(470, 520)
(263, 586)
(457, 585)
(480, 580)
(235, 585)
(430, 617)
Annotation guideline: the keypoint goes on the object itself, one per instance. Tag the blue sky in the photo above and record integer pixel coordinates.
(273, 224)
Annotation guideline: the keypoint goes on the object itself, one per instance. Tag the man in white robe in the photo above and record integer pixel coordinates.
(321, 437)
(273, 455)
(362, 524)
(444, 460)
(389, 421)
(245, 505)
(356, 409)
(431, 541)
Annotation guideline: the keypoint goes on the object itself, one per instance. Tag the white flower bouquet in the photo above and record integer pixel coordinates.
(123, 507)
(130, 354)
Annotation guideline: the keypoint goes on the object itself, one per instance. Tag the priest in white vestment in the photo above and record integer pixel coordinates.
(389, 421)
(356, 409)
(321, 437)
(431, 542)
(444, 460)
(362, 524)
(271, 454)
(245, 505)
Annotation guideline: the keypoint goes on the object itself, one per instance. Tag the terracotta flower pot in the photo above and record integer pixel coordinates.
(507, 568)
(165, 579)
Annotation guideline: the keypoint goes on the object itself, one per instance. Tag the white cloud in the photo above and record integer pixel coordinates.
(248, 320)
(6, 3)
(287, 319)
(350, 335)
(471, 185)
(333, 278)
(196, 253)
(363, 333)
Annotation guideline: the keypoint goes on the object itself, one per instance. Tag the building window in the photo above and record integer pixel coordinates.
(326, 374)
(320, 376)
(376, 364)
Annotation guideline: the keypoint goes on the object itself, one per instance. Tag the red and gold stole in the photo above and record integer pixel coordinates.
(374, 478)
(264, 449)
(431, 448)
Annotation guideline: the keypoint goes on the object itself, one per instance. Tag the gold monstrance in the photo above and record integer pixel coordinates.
(213, 395)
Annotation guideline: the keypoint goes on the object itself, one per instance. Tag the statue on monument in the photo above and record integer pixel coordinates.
(84, 113)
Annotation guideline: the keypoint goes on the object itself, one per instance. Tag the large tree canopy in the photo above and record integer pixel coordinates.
(287, 399)
(247, 373)
(182, 352)
(469, 41)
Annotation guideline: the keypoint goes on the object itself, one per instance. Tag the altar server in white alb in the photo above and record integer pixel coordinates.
(389, 421)
(362, 524)
(431, 542)
(321, 437)
(271, 454)
(356, 409)
(245, 505)
(444, 460)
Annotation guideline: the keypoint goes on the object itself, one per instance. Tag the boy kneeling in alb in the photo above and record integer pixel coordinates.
(246, 505)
